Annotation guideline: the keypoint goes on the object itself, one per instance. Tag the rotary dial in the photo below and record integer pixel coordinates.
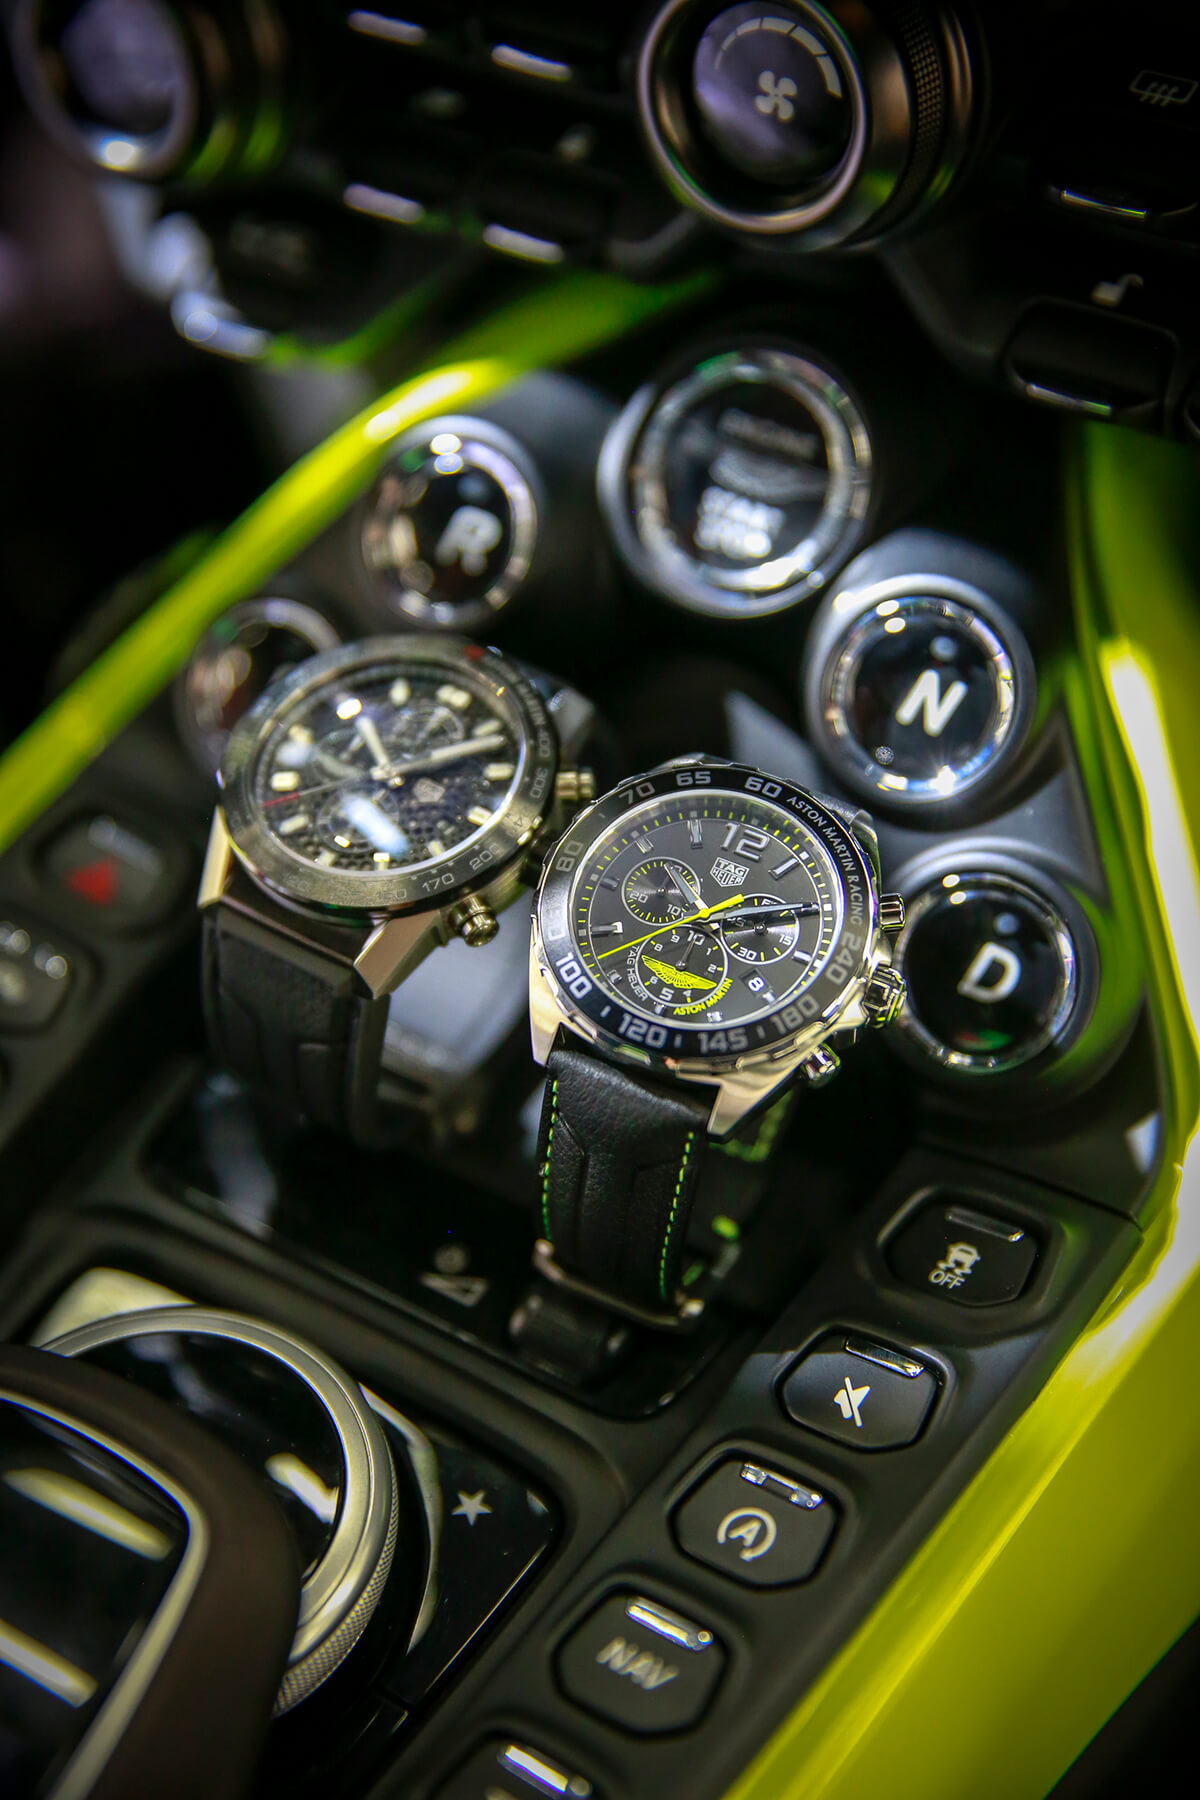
(753, 905)
(389, 767)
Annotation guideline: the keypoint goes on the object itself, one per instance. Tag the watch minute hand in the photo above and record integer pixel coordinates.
(801, 910)
(674, 924)
(433, 759)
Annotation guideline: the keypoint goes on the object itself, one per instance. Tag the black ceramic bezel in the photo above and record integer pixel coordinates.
(689, 1047)
(466, 869)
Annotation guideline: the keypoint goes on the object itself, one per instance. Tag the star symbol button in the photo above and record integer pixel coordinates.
(470, 1506)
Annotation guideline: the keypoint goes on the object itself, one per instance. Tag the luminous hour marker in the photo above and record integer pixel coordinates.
(349, 708)
(285, 781)
(400, 692)
(436, 847)
(300, 733)
(498, 772)
(695, 831)
(297, 822)
(479, 815)
(458, 698)
(789, 863)
(614, 930)
(381, 857)
(643, 844)
(325, 858)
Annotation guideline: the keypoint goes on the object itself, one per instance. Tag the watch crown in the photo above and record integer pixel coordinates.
(574, 787)
(474, 921)
(883, 996)
(891, 911)
(821, 1065)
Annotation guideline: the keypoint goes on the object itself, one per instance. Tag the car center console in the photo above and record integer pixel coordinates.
(784, 526)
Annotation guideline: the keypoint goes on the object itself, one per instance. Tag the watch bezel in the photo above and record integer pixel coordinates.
(689, 1049)
(368, 895)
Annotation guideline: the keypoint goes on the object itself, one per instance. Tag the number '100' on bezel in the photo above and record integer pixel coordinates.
(675, 1041)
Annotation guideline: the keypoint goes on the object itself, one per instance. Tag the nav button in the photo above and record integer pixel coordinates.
(642, 1667)
(760, 1527)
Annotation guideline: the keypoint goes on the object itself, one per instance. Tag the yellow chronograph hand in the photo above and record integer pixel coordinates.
(674, 924)
(676, 977)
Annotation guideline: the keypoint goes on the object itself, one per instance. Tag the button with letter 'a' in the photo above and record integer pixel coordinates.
(860, 1393)
(761, 1527)
(641, 1666)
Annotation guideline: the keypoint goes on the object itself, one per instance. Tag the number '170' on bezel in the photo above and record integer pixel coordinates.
(803, 1015)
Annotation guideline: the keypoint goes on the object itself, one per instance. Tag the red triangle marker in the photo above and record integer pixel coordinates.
(95, 881)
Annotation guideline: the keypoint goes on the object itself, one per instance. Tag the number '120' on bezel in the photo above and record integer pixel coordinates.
(706, 914)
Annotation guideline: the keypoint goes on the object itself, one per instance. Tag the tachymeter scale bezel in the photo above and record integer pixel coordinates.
(464, 868)
(686, 1046)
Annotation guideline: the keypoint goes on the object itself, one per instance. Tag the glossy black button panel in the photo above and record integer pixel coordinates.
(35, 976)
(756, 1524)
(921, 692)
(768, 94)
(448, 531)
(732, 489)
(641, 1666)
(992, 970)
(959, 1254)
(112, 873)
(496, 1530)
(859, 1392)
(504, 1769)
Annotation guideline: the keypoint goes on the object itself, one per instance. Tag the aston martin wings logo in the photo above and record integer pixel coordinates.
(677, 977)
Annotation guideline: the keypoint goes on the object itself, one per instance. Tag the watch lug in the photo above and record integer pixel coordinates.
(862, 829)
(394, 949)
(573, 717)
(738, 1094)
(544, 1014)
(218, 862)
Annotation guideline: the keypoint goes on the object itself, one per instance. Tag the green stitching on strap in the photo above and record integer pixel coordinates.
(546, 1164)
(662, 1261)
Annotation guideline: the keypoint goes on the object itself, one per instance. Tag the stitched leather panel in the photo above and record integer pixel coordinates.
(620, 1158)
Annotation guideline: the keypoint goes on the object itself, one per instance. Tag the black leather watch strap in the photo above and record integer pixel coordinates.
(293, 1022)
(620, 1159)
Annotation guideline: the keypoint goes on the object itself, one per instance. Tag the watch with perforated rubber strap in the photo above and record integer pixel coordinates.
(701, 933)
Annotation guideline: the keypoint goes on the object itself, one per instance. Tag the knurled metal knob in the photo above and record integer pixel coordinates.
(891, 911)
(474, 921)
(574, 787)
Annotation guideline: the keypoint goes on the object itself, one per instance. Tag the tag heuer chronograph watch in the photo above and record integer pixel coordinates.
(376, 800)
(700, 935)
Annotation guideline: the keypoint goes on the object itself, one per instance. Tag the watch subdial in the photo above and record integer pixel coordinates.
(362, 828)
(661, 889)
(424, 724)
(682, 969)
(760, 931)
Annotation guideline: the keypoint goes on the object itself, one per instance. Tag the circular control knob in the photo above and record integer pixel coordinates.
(303, 1426)
(993, 972)
(770, 95)
(448, 532)
(818, 123)
(736, 488)
(158, 89)
(919, 689)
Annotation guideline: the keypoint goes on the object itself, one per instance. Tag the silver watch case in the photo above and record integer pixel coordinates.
(447, 878)
(743, 1080)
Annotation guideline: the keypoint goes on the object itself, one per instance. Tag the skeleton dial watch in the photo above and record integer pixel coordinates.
(700, 934)
(375, 801)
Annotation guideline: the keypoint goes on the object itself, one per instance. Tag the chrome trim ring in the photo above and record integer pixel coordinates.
(668, 135)
(339, 1595)
(631, 484)
(482, 446)
(856, 621)
(1056, 1026)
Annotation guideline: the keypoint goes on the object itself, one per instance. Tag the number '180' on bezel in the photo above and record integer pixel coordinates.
(692, 1044)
